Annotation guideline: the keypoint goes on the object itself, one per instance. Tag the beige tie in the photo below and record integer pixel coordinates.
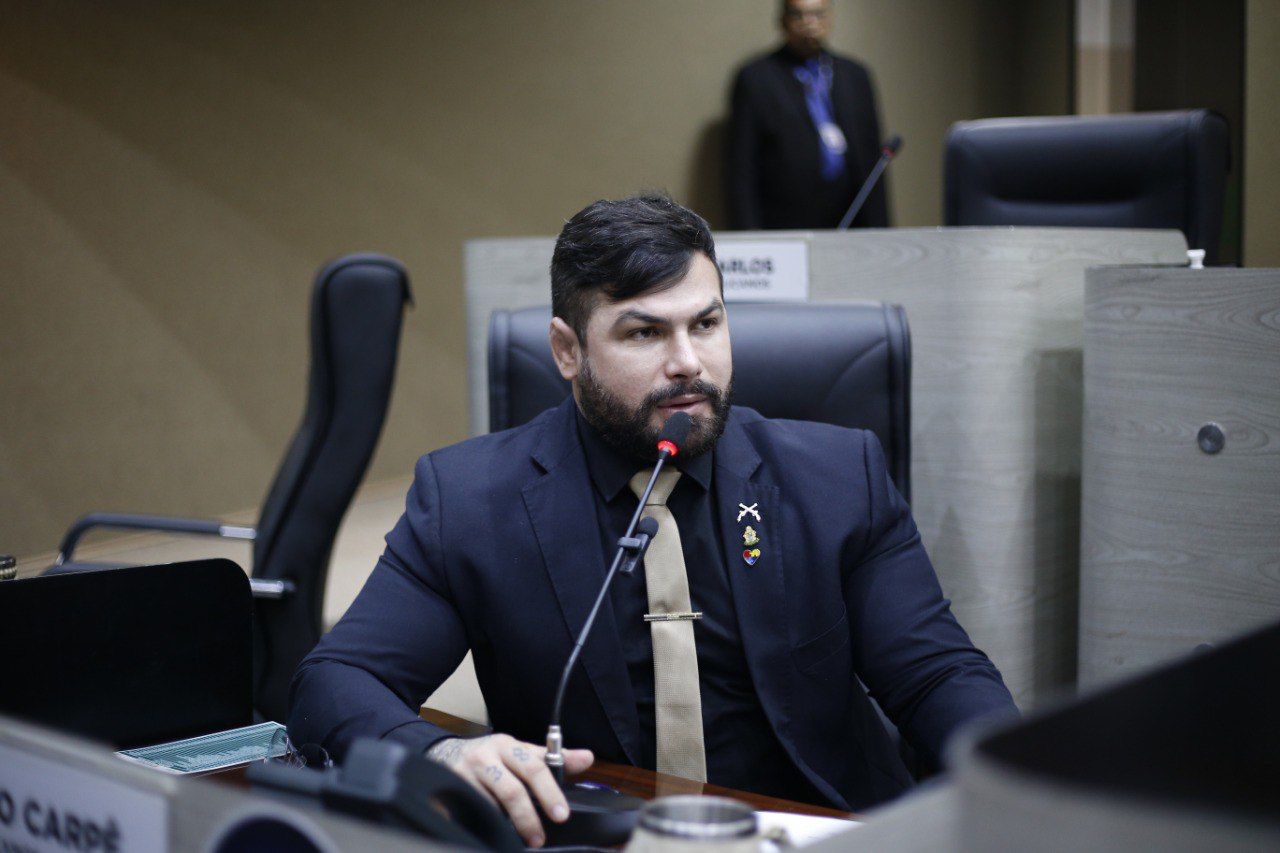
(677, 701)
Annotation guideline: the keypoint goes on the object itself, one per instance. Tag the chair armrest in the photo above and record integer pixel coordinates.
(162, 523)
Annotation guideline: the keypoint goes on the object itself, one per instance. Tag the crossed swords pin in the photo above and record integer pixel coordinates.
(749, 536)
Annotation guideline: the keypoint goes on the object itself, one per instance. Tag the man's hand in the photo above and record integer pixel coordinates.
(501, 767)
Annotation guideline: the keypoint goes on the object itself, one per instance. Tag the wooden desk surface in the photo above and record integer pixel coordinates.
(629, 780)
(647, 784)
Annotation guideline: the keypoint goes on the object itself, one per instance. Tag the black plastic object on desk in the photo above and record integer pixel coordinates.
(383, 782)
(1194, 744)
(597, 816)
(131, 656)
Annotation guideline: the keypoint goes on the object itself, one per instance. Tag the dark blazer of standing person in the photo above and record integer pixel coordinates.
(784, 170)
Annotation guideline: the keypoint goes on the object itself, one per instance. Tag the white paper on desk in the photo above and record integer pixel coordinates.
(212, 751)
(801, 829)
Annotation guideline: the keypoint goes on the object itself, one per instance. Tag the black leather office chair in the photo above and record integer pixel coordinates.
(356, 310)
(847, 364)
(1142, 170)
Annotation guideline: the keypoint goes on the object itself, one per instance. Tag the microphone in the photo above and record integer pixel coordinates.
(596, 816)
(887, 152)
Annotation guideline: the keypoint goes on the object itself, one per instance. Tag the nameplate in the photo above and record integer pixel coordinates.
(46, 806)
(764, 270)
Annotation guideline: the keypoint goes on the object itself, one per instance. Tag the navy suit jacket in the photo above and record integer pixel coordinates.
(498, 551)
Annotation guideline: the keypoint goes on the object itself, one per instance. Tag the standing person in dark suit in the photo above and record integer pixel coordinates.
(786, 539)
(803, 134)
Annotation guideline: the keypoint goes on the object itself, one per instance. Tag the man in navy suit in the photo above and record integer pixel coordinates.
(801, 559)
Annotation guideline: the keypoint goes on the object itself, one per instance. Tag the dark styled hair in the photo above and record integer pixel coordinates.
(622, 249)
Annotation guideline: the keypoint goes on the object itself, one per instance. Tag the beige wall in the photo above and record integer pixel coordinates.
(173, 173)
(1104, 36)
(1262, 134)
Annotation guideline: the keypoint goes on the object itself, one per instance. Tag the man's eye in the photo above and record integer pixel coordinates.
(708, 323)
(642, 334)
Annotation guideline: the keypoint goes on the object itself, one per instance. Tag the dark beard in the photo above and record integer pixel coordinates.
(628, 431)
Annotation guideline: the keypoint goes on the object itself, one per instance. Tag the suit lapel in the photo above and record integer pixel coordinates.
(759, 591)
(848, 114)
(796, 103)
(842, 94)
(563, 517)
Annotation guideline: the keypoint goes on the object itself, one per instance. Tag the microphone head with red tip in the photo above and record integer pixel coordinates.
(674, 432)
(892, 147)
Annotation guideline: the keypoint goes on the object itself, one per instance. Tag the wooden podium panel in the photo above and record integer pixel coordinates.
(996, 327)
(1179, 546)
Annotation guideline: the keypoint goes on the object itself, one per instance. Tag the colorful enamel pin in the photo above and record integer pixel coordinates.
(749, 538)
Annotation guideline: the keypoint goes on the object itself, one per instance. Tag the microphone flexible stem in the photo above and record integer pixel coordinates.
(663, 456)
(867, 187)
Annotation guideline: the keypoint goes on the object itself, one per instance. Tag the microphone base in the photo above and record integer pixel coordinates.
(598, 818)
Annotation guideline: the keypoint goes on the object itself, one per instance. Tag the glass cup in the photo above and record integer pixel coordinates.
(696, 825)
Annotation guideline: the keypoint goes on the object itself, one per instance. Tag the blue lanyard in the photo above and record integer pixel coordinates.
(817, 98)
(820, 83)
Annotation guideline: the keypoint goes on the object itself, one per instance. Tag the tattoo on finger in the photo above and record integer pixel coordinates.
(493, 773)
(520, 754)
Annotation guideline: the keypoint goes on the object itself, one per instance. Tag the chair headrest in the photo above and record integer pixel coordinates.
(1141, 170)
(846, 364)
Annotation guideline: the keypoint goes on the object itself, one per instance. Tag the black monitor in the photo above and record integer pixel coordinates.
(130, 656)
(1200, 734)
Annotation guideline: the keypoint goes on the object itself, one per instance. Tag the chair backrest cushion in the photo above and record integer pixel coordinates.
(847, 364)
(1140, 170)
(356, 311)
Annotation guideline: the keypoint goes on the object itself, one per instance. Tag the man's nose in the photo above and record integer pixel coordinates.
(682, 359)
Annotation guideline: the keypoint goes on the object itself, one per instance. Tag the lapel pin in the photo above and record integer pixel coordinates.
(750, 555)
(749, 510)
(749, 536)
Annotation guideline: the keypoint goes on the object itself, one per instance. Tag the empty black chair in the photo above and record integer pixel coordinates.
(1141, 170)
(847, 364)
(356, 311)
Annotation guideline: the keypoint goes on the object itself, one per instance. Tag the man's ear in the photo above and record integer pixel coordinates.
(566, 349)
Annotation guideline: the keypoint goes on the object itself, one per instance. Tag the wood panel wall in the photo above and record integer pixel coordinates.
(1178, 546)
